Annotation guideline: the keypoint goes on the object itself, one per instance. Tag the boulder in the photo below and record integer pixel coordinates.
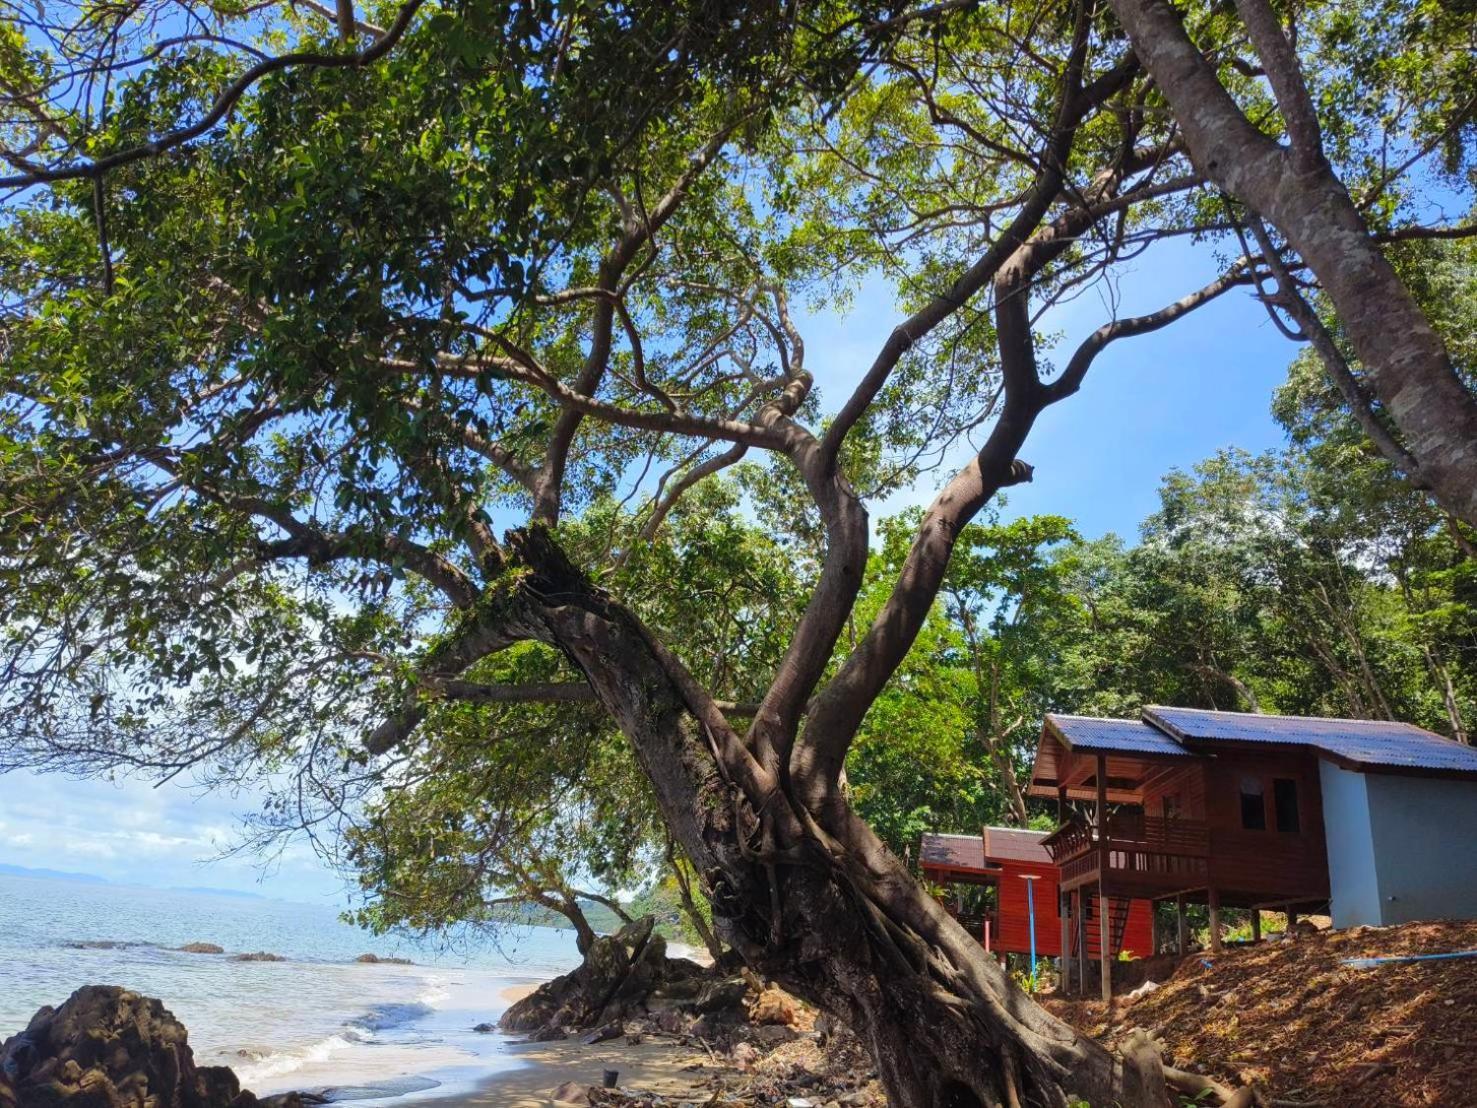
(259, 956)
(107, 1047)
(619, 972)
(201, 948)
(722, 995)
(376, 960)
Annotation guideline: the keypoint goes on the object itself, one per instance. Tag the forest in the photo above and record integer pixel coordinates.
(408, 410)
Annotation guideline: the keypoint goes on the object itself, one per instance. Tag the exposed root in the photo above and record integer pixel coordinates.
(1141, 1054)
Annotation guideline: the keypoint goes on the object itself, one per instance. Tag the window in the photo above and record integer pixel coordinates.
(1253, 804)
(1171, 806)
(1285, 801)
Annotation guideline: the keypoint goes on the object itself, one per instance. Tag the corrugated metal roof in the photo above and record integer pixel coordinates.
(961, 851)
(1013, 844)
(1129, 736)
(1371, 743)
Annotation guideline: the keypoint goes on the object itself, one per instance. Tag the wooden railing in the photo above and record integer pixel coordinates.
(1070, 840)
(1144, 849)
(1132, 831)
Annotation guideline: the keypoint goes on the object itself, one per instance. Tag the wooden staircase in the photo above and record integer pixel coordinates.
(1118, 909)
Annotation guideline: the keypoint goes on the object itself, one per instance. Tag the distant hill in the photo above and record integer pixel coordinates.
(51, 874)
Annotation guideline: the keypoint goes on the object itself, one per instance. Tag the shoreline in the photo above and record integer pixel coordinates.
(664, 1067)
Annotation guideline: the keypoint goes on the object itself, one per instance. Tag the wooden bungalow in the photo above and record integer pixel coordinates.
(1254, 811)
(1016, 864)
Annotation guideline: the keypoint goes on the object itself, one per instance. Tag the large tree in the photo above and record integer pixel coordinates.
(1301, 160)
(275, 387)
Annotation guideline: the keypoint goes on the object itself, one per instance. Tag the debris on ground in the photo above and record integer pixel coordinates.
(1293, 1017)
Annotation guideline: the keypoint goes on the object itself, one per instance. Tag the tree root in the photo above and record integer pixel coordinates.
(1142, 1054)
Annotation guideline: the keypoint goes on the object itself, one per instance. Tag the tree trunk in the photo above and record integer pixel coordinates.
(812, 899)
(1404, 359)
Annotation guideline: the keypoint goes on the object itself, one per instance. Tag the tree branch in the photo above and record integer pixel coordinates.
(222, 106)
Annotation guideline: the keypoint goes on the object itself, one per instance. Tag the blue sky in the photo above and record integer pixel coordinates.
(1149, 404)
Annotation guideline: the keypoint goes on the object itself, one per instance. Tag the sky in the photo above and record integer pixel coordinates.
(1149, 404)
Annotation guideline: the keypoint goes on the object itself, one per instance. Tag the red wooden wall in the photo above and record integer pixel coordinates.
(1014, 933)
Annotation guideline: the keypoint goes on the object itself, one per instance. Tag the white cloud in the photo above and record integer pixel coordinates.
(131, 832)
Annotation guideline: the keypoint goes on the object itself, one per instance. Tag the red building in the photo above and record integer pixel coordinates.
(1369, 820)
(1010, 860)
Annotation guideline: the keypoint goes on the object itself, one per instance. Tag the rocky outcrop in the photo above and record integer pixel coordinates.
(258, 956)
(376, 960)
(618, 976)
(201, 948)
(107, 1047)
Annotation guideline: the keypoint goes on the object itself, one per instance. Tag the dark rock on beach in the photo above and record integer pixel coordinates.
(107, 1047)
(619, 971)
(201, 948)
(259, 956)
(376, 960)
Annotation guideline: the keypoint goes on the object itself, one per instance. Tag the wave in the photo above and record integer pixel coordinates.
(278, 1063)
(383, 1017)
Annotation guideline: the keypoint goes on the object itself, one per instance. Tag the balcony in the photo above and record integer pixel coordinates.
(1143, 854)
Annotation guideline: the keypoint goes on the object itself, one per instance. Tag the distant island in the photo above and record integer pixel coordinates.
(9, 870)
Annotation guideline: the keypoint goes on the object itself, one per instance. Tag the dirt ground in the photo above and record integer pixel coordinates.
(1316, 1032)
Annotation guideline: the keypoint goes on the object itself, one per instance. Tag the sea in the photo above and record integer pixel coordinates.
(375, 1034)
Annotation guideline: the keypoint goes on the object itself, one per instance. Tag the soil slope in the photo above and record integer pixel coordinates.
(1314, 1031)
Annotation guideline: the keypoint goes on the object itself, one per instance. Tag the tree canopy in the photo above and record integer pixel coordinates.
(401, 395)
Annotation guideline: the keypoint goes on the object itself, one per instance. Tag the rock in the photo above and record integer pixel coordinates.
(201, 948)
(603, 1034)
(259, 956)
(774, 1005)
(722, 995)
(571, 1092)
(717, 1025)
(376, 960)
(551, 1033)
(672, 1021)
(745, 1055)
(107, 1047)
(618, 974)
(485, 1028)
(772, 1035)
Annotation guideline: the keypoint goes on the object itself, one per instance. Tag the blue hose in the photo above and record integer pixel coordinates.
(1370, 963)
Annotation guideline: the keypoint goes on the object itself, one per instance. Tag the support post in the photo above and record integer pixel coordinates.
(1082, 902)
(1181, 926)
(1105, 943)
(1215, 922)
(1064, 961)
(1105, 955)
(1256, 925)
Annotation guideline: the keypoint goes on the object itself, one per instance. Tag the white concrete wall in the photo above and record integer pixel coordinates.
(1425, 846)
(1353, 878)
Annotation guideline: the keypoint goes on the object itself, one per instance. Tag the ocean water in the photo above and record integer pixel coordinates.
(386, 1035)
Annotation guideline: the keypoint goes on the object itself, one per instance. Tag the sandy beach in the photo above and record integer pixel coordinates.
(662, 1067)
